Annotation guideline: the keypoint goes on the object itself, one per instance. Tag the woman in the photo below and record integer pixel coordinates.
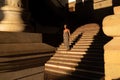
(66, 36)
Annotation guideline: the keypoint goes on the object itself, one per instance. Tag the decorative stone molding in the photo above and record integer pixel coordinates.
(111, 27)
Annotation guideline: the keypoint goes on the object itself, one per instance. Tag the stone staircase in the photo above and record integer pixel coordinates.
(84, 61)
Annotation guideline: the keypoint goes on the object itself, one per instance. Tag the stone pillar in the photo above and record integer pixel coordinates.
(12, 16)
(111, 27)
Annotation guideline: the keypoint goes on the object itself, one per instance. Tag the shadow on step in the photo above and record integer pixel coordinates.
(91, 66)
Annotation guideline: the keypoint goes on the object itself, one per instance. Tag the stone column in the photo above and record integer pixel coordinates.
(111, 27)
(12, 16)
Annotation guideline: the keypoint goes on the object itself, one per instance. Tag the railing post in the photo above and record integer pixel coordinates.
(12, 20)
(111, 27)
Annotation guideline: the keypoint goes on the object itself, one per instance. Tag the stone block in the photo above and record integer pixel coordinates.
(116, 10)
(20, 37)
(23, 55)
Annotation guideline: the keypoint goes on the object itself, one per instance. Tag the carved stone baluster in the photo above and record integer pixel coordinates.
(11, 19)
(111, 27)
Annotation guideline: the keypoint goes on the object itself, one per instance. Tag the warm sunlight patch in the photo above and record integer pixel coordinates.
(98, 4)
(71, 5)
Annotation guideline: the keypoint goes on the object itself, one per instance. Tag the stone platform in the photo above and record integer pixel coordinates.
(23, 55)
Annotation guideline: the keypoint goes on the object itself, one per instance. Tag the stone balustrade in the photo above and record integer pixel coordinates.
(111, 27)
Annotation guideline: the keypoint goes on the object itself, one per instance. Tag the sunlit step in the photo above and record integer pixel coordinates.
(87, 39)
(81, 49)
(84, 49)
(66, 59)
(67, 69)
(80, 62)
(83, 41)
(83, 44)
(77, 59)
(62, 49)
(62, 44)
(70, 52)
(75, 52)
(86, 46)
(72, 64)
(97, 41)
(58, 71)
(92, 31)
(89, 34)
(93, 39)
(59, 67)
(68, 55)
(95, 56)
(76, 65)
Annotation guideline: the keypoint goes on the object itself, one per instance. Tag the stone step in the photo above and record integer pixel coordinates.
(89, 36)
(87, 46)
(85, 39)
(82, 50)
(66, 59)
(79, 59)
(89, 33)
(21, 64)
(88, 43)
(70, 52)
(82, 45)
(74, 65)
(89, 50)
(85, 49)
(62, 46)
(85, 56)
(78, 52)
(91, 39)
(69, 69)
(24, 48)
(86, 59)
(99, 63)
(93, 75)
(25, 74)
(5, 59)
(68, 55)
(70, 76)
